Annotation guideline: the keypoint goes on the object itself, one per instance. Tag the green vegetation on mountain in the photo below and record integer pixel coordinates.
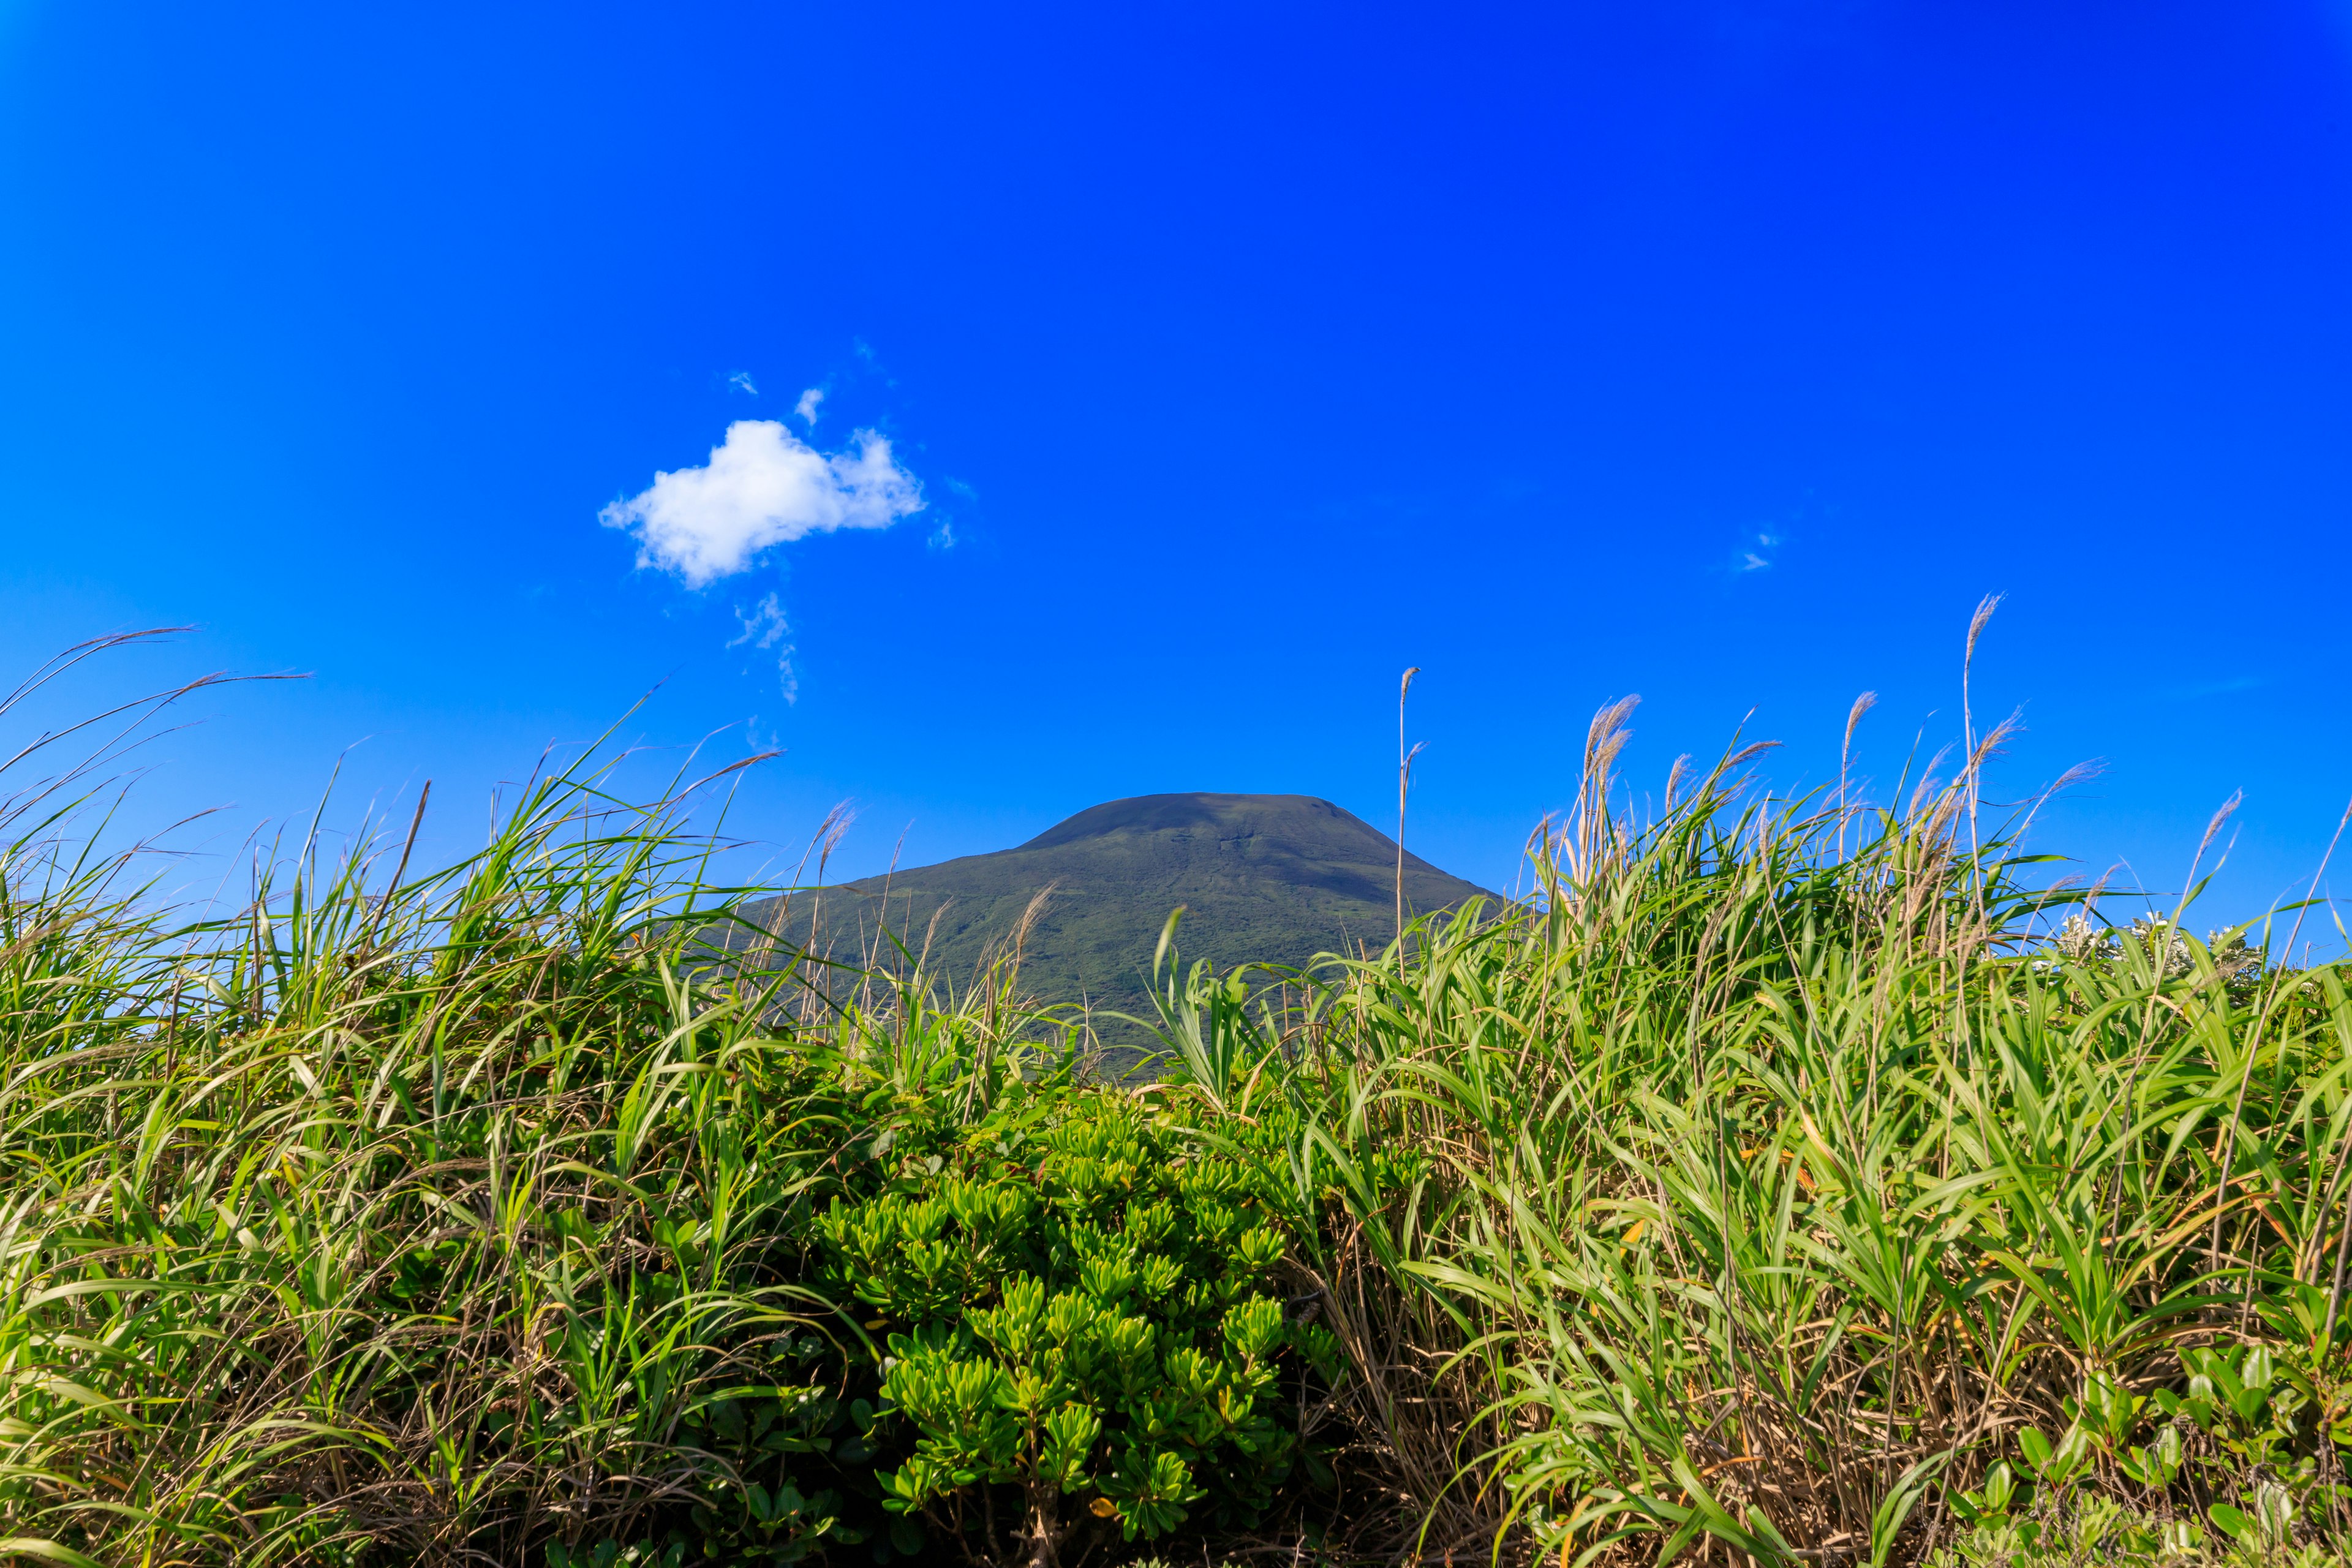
(1265, 879)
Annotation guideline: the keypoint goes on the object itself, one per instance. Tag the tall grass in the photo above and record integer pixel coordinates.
(434, 1223)
(1774, 1186)
(1749, 1194)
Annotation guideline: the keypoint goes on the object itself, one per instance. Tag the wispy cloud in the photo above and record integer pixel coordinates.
(764, 626)
(762, 487)
(742, 382)
(807, 406)
(1752, 561)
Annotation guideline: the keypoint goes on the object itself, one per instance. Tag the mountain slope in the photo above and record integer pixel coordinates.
(1275, 878)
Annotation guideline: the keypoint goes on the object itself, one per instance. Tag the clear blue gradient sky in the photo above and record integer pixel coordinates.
(1724, 351)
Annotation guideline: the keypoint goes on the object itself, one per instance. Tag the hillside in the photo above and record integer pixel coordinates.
(1276, 878)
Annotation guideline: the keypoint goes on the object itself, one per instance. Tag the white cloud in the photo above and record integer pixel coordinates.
(1754, 563)
(762, 487)
(764, 626)
(807, 406)
(742, 378)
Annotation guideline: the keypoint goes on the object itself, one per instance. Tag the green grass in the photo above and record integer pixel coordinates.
(1775, 1195)
(1772, 1188)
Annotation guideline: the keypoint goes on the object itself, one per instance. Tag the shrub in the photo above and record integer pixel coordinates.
(1082, 1330)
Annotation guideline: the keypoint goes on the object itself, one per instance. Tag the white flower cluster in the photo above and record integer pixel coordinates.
(2160, 940)
(2235, 957)
(2080, 940)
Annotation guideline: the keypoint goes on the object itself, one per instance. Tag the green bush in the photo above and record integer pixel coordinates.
(1082, 1327)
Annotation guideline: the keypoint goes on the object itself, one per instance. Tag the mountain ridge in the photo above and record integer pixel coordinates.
(1271, 878)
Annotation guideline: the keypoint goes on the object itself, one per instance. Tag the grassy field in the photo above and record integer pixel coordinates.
(1789, 1183)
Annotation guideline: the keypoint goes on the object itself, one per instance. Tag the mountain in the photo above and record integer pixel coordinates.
(1275, 878)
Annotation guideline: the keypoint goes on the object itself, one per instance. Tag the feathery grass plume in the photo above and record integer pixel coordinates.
(1861, 705)
(1603, 740)
(1405, 783)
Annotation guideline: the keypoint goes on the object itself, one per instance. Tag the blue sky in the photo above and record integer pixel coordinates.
(1238, 356)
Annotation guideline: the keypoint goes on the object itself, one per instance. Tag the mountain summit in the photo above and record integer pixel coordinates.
(1275, 879)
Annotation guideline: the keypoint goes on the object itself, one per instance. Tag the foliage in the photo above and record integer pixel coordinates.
(1079, 1309)
(1787, 1181)
(1779, 1193)
(451, 1223)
